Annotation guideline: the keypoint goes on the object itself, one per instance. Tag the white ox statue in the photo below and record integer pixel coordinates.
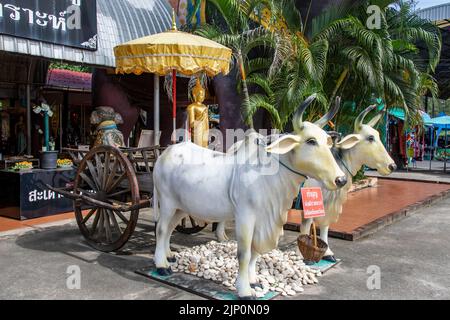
(216, 187)
(363, 147)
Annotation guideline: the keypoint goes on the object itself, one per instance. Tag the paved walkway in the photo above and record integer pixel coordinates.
(370, 209)
(430, 176)
(412, 254)
(7, 224)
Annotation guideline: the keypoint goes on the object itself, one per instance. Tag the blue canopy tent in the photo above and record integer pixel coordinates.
(400, 114)
(442, 124)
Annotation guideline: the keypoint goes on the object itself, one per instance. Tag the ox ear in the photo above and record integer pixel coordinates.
(349, 141)
(284, 144)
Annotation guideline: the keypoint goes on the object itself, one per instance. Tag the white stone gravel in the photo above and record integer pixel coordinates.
(279, 271)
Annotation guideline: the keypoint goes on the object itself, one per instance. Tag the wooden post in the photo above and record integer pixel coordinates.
(156, 134)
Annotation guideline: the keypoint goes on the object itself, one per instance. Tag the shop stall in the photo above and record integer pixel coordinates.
(42, 110)
(407, 146)
(441, 140)
(28, 196)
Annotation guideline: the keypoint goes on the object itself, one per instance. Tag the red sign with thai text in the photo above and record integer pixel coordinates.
(312, 200)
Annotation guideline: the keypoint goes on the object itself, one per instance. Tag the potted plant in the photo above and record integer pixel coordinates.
(48, 157)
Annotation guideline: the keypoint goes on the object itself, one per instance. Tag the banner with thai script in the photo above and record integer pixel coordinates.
(66, 22)
(312, 201)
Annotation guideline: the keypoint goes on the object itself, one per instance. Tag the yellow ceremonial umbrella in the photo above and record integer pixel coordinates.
(171, 52)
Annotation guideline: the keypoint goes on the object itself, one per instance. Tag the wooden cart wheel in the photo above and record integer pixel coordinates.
(188, 225)
(105, 174)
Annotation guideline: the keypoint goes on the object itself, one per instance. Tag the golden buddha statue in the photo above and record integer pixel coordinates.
(198, 117)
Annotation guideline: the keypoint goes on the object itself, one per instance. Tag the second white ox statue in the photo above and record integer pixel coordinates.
(215, 187)
(362, 147)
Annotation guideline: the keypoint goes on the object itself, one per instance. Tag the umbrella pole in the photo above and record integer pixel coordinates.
(156, 135)
(431, 144)
(445, 150)
(174, 104)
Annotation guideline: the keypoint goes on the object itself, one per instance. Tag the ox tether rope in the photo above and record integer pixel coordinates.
(298, 202)
(292, 170)
(261, 143)
(336, 154)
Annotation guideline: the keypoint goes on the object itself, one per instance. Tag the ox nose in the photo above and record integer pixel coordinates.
(392, 167)
(341, 181)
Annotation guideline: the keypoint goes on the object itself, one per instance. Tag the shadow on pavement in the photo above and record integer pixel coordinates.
(136, 254)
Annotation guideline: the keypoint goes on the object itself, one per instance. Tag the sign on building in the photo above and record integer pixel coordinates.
(66, 22)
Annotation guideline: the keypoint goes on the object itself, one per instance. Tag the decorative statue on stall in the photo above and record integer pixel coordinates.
(198, 117)
(107, 133)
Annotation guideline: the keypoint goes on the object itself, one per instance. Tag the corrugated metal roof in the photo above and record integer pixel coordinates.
(436, 13)
(118, 21)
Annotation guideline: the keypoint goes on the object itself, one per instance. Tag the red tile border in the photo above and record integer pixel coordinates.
(379, 223)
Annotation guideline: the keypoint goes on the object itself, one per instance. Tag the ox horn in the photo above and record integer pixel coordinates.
(360, 119)
(322, 122)
(373, 122)
(297, 120)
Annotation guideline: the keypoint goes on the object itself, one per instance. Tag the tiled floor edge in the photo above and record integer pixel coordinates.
(393, 217)
(411, 179)
(379, 223)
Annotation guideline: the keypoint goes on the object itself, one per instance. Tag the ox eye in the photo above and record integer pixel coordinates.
(371, 139)
(311, 142)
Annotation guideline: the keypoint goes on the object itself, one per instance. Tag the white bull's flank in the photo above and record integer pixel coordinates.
(237, 186)
(363, 147)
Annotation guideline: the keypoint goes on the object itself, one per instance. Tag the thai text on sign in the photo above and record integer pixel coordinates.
(312, 200)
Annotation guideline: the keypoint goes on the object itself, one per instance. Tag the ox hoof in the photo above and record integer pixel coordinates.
(248, 298)
(309, 262)
(172, 259)
(329, 258)
(164, 272)
(255, 285)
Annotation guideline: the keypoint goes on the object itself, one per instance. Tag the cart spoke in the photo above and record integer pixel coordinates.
(117, 182)
(112, 173)
(101, 226)
(115, 194)
(93, 173)
(100, 169)
(88, 216)
(95, 223)
(121, 216)
(88, 181)
(114, 220)
(107, 227)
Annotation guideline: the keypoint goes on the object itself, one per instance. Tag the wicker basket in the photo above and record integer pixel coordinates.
(311, 247)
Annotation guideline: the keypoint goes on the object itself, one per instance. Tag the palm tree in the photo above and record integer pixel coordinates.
(242, 37)
(334, 53)
(297, 67)
(382, 62)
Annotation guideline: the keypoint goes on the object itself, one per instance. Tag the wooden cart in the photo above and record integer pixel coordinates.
(110, 187)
